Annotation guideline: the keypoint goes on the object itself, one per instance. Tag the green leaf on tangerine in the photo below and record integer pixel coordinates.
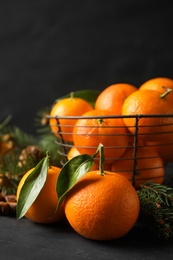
(71, 172)
(86, 94)
(32, 187)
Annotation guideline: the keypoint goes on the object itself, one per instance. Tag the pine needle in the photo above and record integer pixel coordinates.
(157, 209)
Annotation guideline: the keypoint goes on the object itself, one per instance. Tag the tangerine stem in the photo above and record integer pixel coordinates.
(71, 95)
(102, 159)
(100, 120)
(167, 91)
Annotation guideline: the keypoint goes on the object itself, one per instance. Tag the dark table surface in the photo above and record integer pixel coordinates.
(50, 48)
(22, 239)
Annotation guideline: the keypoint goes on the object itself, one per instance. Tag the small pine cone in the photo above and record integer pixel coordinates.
(30, 152)
(44, 120)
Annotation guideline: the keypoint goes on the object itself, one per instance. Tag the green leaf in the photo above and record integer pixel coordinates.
(32, 187)
(86, 94)
(71, 172)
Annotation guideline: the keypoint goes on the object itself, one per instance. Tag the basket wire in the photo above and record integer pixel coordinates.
(66, 146)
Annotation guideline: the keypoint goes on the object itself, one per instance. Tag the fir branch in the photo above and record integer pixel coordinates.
(10, 173)
(14, 164)
(21, 139)
(157, 208)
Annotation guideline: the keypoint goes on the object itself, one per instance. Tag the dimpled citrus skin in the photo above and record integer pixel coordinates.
(102, 207)
(67, 107)
(112, 97)
(157, 84)
(94, 129)
(149, 167)
(149, 102)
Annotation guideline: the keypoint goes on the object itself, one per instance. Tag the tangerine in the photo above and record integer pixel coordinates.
(112, 97)
(149, 110)
(97, 126)
(165, 150)
(71, 106)
(102, 207)
(42, 209)
(158, 84)
(74, 152)
(149, 166)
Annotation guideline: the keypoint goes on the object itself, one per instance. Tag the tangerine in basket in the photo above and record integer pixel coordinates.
(102, 207)
(97, 126)
(149, 166)
(154, 106)
(42, 209)
(158, 84)
(74, 152)
(71, 106)
(164, 149)
(112, 97)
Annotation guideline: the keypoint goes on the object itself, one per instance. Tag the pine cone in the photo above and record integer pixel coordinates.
(31, 154)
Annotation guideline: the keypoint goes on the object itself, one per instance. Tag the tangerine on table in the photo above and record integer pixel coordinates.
(149, 166)
(102, 207)
(43, 207)
(157, 84)
(97, 126)
(112, 97)
(71, 106)
(149, 102)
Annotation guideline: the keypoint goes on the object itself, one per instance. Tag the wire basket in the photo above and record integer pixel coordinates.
(130, 163)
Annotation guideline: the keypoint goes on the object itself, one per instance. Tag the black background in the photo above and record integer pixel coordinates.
(49, 48)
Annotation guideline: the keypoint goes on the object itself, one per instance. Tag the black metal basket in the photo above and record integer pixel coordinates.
(135, 143)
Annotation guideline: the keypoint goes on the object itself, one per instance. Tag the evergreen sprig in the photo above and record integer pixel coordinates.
(20, 138)
(17, 160)
(156, 211)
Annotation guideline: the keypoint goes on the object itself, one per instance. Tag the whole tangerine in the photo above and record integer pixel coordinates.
(157, 84)
(66, 107)
(42, 209)
(113, 97)
(97, 126)
(164, 149)
(149, 110)
(102, 207)
(146, 166)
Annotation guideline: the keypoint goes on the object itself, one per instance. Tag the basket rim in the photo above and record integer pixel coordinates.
(137, 116)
